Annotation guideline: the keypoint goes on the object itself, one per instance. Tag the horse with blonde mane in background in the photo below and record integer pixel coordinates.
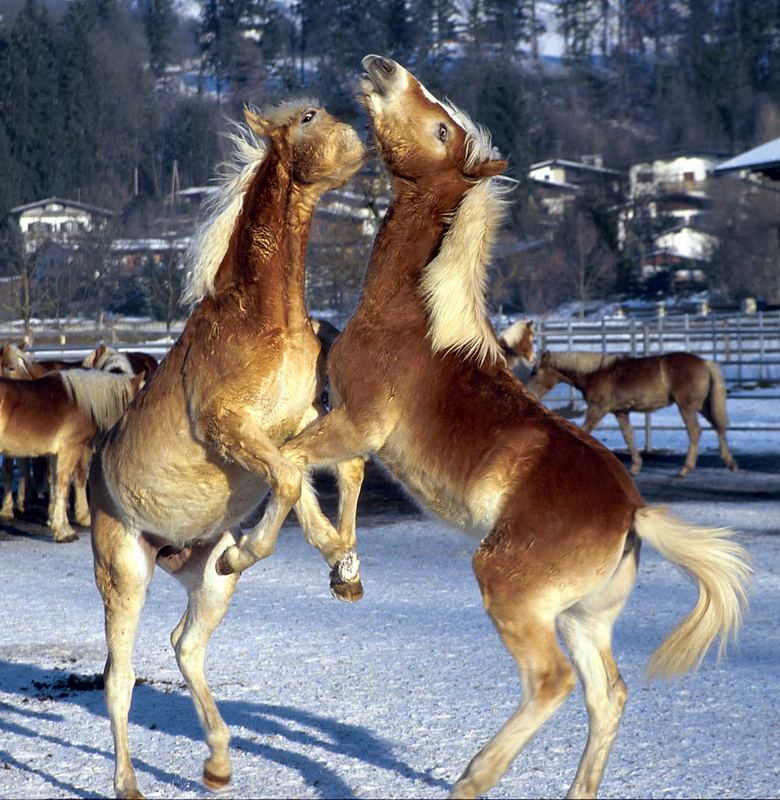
(199, 449)
(618, 384)
(16, 363)
(517, 347)
(559, 519)
(59, 415)
(129, 362)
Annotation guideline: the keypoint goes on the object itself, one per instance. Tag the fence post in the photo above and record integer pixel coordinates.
(603, 336)
(687, 327)
(633, 336)
(761, 353)
(714, 339)
(648, 422)
(739, 350)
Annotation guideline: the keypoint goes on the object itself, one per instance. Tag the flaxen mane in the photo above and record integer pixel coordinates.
(580, 361)
(109, 360)
(234, 176)
(103, 395)
(453, 283)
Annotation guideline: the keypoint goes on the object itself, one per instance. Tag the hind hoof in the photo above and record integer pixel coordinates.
(348, 592)
(67, 539)
(215, 782)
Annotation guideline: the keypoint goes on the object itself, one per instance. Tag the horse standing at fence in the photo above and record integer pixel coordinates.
(59, 415)
(616, 384)
(517, 347)
(199, 449)
(560, 516)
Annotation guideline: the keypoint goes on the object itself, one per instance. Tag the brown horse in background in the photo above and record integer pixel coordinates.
(199, 449)
(59, 415)
(617, 384)
(559, 518)
(124, 362)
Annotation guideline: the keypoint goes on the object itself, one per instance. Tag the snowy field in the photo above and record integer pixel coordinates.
(392, 696)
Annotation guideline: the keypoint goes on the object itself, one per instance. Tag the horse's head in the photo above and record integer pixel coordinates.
(13, 362)
(421, 138)
(543, 376)
(323, 153)
(517, 344)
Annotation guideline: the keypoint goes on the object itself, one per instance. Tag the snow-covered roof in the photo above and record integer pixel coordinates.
(576, 165)
(66, 203)
(764, 158)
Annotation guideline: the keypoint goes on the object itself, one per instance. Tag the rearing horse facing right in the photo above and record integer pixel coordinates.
(559, 518)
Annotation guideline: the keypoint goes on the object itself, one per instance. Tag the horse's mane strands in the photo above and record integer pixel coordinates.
(581, 361)
(453, 283)
(103, 395)
(210, 243)
(514, 333)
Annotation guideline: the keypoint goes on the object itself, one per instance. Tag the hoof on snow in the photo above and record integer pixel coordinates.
(215, 782)
(349, 592)
(67, 538)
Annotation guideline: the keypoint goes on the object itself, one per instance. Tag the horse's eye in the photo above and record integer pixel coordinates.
(443, 132)
(308, 115)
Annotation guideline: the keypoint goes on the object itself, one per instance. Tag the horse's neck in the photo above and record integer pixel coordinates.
(408, 239)
(266, 256)
(577, 377)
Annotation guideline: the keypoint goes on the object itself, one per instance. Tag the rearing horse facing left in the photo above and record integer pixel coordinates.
(199, 449)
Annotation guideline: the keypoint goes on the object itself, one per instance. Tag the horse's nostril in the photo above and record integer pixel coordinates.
(386, 65)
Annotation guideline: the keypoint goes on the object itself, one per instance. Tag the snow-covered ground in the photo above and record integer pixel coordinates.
(392, 696)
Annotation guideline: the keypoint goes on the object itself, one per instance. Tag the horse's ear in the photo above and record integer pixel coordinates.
(530, 325)
(257, 123)
(138, 380)
(99, 351)
(488, 169)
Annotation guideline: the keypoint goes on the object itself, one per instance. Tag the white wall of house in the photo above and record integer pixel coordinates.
(549, 172)
(683, 173)
(54, 218)
(687, 242)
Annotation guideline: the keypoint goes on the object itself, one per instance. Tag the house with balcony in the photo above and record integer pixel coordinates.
(58, 220)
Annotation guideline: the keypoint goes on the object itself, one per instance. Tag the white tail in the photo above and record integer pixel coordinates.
(718, 566)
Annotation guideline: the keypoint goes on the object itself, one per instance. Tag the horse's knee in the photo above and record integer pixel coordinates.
(288, 484)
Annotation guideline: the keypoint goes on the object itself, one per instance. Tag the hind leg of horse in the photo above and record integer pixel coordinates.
(123, 569)
(7, 510)
(66, 461)
(694, 432)
(80, 504)
(628, 436)
(209, 597)
(586, 629)
(547, 678)
(592, 418)
(723, 446)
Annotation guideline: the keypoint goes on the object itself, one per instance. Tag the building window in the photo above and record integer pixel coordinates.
(644, 177)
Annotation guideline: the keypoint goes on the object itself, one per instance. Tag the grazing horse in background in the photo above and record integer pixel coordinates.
(199, 449)
(59, 415)
(130, 362)
(517, 346)
(619, 384)
(559, 518)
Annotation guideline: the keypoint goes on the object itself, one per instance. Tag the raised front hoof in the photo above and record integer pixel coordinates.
(230, 562)
(214, 782)
(349, 592)
(66, 538)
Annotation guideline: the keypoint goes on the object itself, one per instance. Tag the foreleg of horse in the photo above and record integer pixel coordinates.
(80, 504)
(7, 510)
(628, 436)
(694, 432)
(338, 548)
(587, 631)
(51, 477)
(123, 569)
(21, 489)
(209, 598)
(528, 632)
(254, 450)
(66, 461)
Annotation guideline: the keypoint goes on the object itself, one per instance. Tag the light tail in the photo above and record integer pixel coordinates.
(717, 397)
(719, 567)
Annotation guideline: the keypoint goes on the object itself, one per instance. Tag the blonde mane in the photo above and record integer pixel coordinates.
(103, 395)
(234, 176)
(109, 360)
(514, 333)
(581, 361)
(453, 283)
